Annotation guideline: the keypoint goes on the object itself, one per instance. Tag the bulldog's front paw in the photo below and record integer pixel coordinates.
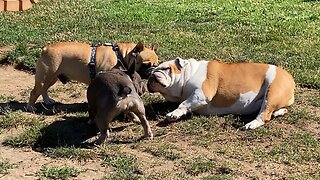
(175, 115)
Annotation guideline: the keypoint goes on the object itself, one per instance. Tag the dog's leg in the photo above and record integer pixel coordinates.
(103, 124)
(146, 127)
(91, 116)
(273, 104)
(34, 94)
(139, 111)
(41, 86)
(280, 112)
(195, 101)
(133, 117)
(46, 99)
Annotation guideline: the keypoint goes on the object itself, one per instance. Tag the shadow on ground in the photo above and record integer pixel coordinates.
(45, 109)
(68, 132)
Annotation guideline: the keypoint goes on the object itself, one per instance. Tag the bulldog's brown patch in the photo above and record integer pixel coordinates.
(225, 82)
(174, 69)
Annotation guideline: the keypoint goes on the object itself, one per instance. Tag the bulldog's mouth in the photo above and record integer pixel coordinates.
(152, 81)
(160, 78)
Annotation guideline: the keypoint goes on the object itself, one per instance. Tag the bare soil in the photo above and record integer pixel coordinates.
(18, 84)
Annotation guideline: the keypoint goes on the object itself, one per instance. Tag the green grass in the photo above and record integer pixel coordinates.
(62, 173)
(10, 119)
(4, 166)
(199, 164)
(126, 167)
(285, 33)
(299, 148)
(168, 151)
(70, 153)
(6, 98)
(26, 138)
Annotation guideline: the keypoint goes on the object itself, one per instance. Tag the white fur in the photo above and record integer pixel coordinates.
(280, 112)
(253, 124)
(247, 103)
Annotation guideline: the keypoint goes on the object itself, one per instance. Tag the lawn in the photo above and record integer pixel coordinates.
(284, 33)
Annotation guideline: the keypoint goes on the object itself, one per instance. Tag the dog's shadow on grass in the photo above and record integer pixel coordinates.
(68, 132)
(45, 109)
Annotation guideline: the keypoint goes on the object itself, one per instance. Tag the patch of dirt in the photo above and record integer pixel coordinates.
(4, 50)
(14, 82)
(18, 84)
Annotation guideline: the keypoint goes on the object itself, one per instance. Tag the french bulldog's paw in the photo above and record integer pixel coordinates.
(148, 136)
(49, 101)
(253, 124)
(31, 108)
(174, 115)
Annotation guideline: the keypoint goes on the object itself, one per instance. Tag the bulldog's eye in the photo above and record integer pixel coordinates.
(165, 68)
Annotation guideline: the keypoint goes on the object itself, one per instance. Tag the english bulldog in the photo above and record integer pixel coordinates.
(69, 61)
(218, 88)
(113, 92)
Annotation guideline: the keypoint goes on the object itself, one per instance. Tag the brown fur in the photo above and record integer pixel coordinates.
(221, 75)
(69, 61)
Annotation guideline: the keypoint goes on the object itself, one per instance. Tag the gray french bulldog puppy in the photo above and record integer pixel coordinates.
(113, 92)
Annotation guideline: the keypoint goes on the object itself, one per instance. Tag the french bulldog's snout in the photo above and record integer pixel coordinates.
(149, 71)
(151, 80)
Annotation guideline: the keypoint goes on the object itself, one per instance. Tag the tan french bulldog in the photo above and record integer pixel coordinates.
(69, 61)
(113, 92)
(218, 88)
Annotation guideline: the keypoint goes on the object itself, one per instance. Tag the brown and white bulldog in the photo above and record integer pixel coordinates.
(218, 88)
(69, 61)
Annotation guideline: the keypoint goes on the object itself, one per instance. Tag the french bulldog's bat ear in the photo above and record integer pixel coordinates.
(155, 47)
(180, 63)
(139, 47)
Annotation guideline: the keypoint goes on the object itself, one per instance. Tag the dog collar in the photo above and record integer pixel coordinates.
(92, 63)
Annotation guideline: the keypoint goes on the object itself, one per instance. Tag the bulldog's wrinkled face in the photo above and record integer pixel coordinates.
(165, 76)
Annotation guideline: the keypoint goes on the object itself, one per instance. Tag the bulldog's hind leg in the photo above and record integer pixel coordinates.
(133, 117)
(139, 111)
(275, 103)
(46, 99)
(103, 123)
(40, 88)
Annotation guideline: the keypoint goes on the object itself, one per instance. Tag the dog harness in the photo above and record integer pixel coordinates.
(92, 63)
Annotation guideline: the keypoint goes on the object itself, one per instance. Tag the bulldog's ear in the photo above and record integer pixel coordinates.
(155, 47)
(180, 63)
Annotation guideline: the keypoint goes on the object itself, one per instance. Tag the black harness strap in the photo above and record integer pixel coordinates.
(92, 63)
(119, 57)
